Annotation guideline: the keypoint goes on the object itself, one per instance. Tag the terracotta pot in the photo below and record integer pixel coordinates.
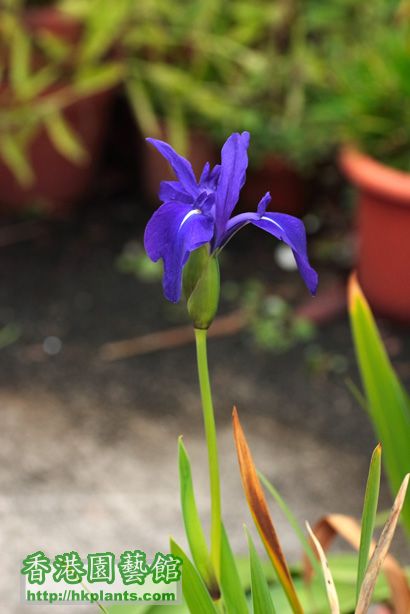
(384, 232)
(52, 21)
(59, 183)
(286, 185)
(156, 169)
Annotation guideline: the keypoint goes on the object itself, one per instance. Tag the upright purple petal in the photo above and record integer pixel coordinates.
(234, 162)
(263, 203)
(174, 190)
(205, 173)
(172, 233)
(291, 231)
(181, 167)
(209, 176)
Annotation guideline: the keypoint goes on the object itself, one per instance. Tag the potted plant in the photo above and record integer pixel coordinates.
(170, 89)
(374, 124)
(55, 95)
(251, 67)
(189, 79)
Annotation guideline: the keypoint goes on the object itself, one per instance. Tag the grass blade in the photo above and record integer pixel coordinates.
(381, 551)
(193, 526)
(329, 583)
(291, 518)
(387, 402)
(349, 529)
(260, 513)
(232, 590)
(195, 592)
(261, 599)
(65, 139)
(371, 499)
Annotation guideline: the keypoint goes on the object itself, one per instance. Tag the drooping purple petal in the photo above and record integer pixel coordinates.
(172, 233)
(234, 162)
(291, 231)
(181, 167)
(239, 221)
(174, 190)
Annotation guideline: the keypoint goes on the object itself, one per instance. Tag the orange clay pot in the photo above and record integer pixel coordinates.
(286, 185)
(384, 232)
(52, 21)
(58, 183)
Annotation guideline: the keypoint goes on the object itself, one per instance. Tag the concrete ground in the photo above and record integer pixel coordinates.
(88, 449)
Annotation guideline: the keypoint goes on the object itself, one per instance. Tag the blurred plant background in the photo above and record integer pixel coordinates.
(301, 77)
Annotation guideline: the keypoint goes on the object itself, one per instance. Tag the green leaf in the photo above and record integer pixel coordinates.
(105, 19)
(193, 587)
(329, 582)
(176, 127)
(9, 334)
(193, 526)
(291, 518)
(55, 47)
(65, 139)
(98, 78)
(20, 60)
(142, 106)
(261, 599)
(371, 499)
(38, 82)
(15, 156)
(378, 556)
(232, 590)
(314, 599)
(387, 401)
(261, 516)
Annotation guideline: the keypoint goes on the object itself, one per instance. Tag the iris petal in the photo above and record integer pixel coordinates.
(209, 177)
(239, 221)
(291, 231)
(234, 162)
(174, 190)
(181, 167)
(172, 233)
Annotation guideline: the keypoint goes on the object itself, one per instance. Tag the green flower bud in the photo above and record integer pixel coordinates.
(201, 285)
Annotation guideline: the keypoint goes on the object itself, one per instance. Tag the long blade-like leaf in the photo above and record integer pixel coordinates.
(261, 599)
(260, 513)
(387, 401)
(193, 526)
(371, 499)
(349, 529)
(65, 139)
(232, 591)
(381, 550)
(196, 595)
(330, 585)
(291, 518)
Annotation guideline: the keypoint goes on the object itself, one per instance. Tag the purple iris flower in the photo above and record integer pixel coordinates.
(195, 213)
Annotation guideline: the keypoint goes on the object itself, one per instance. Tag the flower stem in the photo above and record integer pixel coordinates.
(211, 441)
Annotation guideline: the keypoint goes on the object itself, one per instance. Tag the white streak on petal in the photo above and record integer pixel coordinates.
(188, 215)
(268, 219)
